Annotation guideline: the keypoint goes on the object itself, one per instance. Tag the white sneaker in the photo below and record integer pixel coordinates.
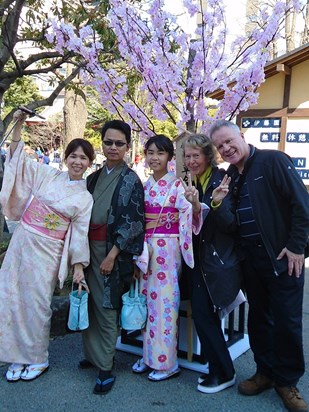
(140, 367)
(14, 372)
(34, 371)
(162, 375)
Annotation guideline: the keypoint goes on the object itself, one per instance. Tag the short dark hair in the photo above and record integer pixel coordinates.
(117, 125)
(203, 142)
(84, 144)
(162, 143)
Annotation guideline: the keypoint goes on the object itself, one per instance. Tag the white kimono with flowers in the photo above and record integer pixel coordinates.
(168, 236)
(34, 260)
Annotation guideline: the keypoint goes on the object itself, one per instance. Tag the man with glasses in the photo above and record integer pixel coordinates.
(116, 233)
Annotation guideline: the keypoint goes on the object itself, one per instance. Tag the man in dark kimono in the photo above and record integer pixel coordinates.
(116, 234)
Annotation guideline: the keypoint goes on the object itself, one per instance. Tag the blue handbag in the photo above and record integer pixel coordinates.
(78, 312)
(133, 314)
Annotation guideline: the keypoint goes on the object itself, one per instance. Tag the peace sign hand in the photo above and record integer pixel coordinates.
(222, 190)
(191, 194)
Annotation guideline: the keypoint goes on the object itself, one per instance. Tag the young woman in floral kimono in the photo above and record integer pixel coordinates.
(54, 210)
(172, 210)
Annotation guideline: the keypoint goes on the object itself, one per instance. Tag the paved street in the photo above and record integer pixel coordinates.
(66, 388)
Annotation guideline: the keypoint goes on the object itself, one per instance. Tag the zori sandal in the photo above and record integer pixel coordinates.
(34, 371)
(140, 367)
(157, 376)
(14, 372)
(102, 386)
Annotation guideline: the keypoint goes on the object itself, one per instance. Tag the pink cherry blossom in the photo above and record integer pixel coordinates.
(153, 46)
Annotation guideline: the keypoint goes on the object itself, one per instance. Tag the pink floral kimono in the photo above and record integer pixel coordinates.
(52, 235)
(169, 228)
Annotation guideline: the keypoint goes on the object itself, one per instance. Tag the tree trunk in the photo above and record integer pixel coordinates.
(305, 34)
(290, 23)
(74, 113)
(190, 124)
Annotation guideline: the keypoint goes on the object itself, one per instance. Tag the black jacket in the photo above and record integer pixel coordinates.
(125, 229)
(215, 257)
(280, 204)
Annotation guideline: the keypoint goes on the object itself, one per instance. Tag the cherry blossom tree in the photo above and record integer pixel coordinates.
(176, 70)
(25, 53)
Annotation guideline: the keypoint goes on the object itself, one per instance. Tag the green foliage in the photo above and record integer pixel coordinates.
(97, 116)
(21, 92)
(4, 245)
(167, 127)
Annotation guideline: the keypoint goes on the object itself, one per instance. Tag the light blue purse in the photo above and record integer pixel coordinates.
(134, 310)
(78, 313)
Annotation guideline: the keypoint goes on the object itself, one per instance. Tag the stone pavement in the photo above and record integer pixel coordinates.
(65, 388)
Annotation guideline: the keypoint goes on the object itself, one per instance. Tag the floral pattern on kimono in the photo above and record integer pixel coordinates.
(160, 281)
(34, 260)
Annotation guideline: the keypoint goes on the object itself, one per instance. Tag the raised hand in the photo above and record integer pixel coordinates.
(19, 116)
(220, 192)
(191, 193)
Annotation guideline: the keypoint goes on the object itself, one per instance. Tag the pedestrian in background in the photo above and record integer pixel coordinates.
(46, 158)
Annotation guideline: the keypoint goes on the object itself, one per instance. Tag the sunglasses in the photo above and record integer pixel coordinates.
(117, 143)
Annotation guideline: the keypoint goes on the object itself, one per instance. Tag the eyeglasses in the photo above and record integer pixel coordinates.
(117, 143)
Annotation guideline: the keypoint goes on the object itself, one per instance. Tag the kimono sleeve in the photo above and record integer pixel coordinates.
(186, 224)
(128, 216)
(79, 244)
(21, 177)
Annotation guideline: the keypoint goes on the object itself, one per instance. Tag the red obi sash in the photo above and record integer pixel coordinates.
(161, 220)
(97, 232)
(46, 220)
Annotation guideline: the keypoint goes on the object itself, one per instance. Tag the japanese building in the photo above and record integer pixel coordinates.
(280, 119)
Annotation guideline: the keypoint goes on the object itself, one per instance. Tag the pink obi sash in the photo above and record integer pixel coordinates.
(168, 222)
(46, 220)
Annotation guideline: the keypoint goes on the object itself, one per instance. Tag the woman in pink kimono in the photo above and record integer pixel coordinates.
(54, 210)
(172, 211)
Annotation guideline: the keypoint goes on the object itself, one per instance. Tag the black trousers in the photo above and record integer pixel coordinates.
(208, 327)
(274, 318)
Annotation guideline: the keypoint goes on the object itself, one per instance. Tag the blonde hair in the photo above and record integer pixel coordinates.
(203, 142)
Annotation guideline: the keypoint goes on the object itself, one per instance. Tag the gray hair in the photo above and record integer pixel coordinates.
(218, 124)
(203, 142)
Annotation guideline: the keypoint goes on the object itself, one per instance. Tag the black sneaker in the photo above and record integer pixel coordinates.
(213, 384)
(202, 377)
